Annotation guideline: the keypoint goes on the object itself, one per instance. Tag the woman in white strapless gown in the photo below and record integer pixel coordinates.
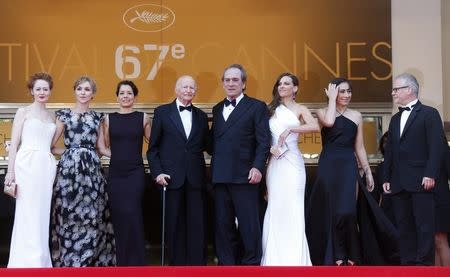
(284, 239)
(33, 168)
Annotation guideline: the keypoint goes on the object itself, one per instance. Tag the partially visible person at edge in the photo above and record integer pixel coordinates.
(384, 200)
(442, 198)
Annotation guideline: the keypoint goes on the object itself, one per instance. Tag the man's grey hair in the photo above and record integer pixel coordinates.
(410, 81)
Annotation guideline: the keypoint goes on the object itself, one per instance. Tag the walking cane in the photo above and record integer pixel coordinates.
(163, 232)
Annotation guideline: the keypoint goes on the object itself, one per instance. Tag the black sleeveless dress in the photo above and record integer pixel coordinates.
(331, 218)
(126, 186)
(338, 226)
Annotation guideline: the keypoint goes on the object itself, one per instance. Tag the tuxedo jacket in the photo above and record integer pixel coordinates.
(241, 142)
(417, 153)
(171, 152)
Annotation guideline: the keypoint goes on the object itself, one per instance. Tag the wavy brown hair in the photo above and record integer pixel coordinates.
(276, 99)
(40, 76)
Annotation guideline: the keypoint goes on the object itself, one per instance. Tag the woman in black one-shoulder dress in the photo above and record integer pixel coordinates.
(124, 132)
(331, 215)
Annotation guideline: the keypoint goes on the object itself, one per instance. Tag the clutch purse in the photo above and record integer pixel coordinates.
(278, 151)
(10, 189)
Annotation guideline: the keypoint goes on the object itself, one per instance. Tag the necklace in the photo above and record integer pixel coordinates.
(342, 112)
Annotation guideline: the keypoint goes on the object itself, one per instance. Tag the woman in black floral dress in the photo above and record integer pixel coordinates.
(81, 231)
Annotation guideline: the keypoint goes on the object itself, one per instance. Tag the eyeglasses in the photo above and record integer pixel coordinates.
(394, 90)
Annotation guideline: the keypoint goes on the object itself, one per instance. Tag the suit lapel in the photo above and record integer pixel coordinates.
(176, 119)
(243, 106)
(219, 121)
(411, 118)
(396, 124)
(195, 122)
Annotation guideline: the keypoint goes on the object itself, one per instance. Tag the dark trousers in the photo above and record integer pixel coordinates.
(414, 214)
(237, 243)
(186, 238)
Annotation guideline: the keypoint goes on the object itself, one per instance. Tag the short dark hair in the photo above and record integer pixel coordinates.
(237, 66)
(40, 76)
(127, 83)
(339, 80)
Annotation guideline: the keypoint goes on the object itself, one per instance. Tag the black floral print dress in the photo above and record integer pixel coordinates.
(81, 231)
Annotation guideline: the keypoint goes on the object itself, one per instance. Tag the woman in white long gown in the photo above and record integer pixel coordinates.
(33, 168)
(284, 239)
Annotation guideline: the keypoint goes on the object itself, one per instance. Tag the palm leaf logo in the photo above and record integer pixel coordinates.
(150, 17)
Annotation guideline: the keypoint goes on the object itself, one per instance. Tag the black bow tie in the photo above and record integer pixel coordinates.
(188, 108)
(402, 109)
(232, 102)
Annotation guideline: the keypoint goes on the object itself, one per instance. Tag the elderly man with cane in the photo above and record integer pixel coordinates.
(175, 154)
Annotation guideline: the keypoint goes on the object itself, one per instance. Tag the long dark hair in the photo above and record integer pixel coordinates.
(276, 99)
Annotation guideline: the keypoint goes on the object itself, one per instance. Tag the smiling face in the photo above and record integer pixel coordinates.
(185, 89)
(125, 96)
(344, 94)
(232, 82)
(41, 91)
(286, 87)
(84, 92)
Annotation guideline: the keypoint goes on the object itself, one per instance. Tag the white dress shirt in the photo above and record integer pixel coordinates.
(186, 118)
(405, 115)
(228, 109)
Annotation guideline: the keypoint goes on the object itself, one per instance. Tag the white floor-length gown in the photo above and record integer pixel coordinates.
(284, 240)
(35, 170)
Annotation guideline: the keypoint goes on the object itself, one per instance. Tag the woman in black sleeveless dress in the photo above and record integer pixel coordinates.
(331, 218)
(124, 132)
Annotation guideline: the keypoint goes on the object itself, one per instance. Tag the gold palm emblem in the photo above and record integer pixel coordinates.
(150, 17)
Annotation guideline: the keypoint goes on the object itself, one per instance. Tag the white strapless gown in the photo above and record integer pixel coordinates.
(35, 169)
(284, 240)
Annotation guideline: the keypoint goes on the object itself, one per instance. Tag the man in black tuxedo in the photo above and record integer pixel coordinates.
(412, 160)
(240, 146)
(175, 154)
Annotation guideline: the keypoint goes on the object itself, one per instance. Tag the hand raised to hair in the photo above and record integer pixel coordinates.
(331, 91)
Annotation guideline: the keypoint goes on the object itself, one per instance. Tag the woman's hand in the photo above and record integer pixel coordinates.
(283, 137)
(331, 92)
(370, 184)
(9, 178)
